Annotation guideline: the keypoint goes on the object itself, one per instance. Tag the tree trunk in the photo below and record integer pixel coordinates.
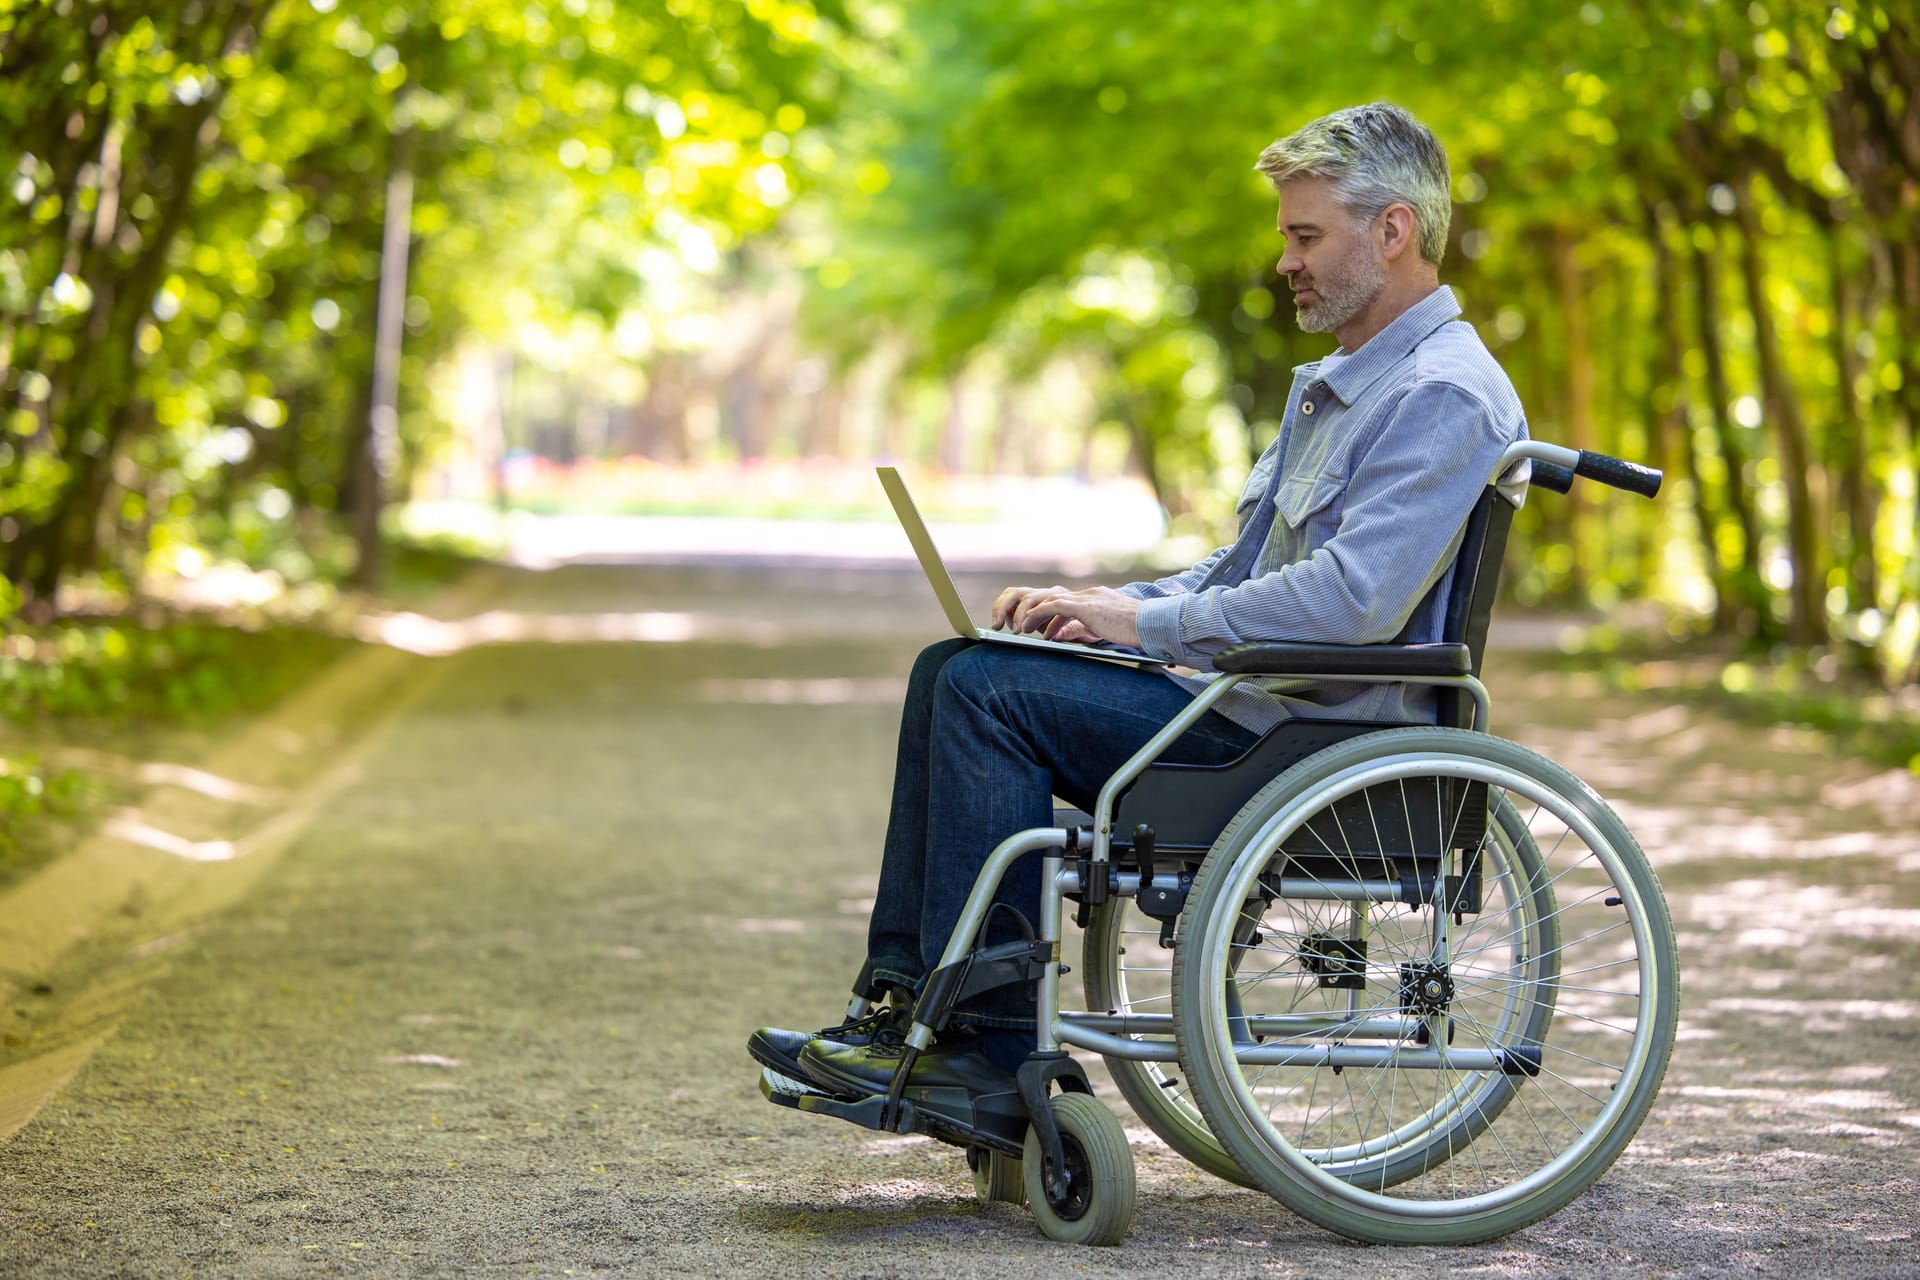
(380, 458)
(825, 419)
(1008, 428)
(1854, 496)
(1906, 267)
(1674, 417)
(1578, 392)
(1747, 578)
(1807, 612)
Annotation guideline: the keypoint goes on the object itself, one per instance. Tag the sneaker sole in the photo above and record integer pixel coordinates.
(767, 1056)
(785, 1070)
(788, 1087)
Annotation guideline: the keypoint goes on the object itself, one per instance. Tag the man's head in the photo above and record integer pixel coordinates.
(1365, 198)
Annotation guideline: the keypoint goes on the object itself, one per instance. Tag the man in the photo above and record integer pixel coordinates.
(1348, 530)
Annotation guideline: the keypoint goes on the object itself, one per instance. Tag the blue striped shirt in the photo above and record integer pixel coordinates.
(1351, 518)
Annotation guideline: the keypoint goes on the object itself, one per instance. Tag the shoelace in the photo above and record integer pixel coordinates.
(892, 1042)
(885, 1026)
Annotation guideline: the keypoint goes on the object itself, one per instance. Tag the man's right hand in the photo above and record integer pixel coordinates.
(1015, 602)
(1010, 601)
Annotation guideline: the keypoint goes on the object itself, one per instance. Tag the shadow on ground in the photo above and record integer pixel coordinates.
(485, 1016)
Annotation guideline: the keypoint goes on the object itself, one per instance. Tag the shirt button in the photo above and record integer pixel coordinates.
(1306, 407)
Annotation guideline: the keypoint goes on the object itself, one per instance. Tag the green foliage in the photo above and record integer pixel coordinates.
(1689, 231)
(96, 682)
(1683, 228)
(182, 669)
(28, 788)
(1819, 693)
(191, 231)
(37, 805)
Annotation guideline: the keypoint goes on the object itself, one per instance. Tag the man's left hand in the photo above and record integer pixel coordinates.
(1097, 612)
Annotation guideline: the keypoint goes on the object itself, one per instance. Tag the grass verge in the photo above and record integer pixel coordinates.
(1816, 691)
(151, 682)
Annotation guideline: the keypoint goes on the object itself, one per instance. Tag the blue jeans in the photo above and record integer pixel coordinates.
(989, 734)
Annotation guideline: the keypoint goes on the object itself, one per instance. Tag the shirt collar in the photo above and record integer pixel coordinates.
(1348, 373)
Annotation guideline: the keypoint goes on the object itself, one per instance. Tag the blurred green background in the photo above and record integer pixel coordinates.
(297, 295)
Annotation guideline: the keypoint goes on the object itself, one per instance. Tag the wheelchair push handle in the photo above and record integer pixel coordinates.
(1555, 467)
(1619, 473)
(1553, 478)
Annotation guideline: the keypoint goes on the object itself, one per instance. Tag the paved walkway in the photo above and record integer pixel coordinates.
(483, 1014)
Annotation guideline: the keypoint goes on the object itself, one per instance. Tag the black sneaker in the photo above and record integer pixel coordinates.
(863, 1070)
(778, 1049)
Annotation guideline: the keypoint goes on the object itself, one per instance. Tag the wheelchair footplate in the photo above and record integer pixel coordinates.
(996, 1120)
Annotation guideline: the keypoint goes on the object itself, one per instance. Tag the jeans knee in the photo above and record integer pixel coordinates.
(923, 684)
(968, 675)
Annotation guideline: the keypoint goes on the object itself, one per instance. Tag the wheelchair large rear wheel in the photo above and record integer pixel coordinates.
(1129, 973)
(1439, 1059)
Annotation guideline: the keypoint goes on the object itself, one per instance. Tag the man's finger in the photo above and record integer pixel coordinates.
(1007, 607)
(1052, 611)
(1033, 600)
(1032, 614)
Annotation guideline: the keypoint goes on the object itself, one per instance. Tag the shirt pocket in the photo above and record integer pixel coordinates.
(1256, 486)
(1302, 498)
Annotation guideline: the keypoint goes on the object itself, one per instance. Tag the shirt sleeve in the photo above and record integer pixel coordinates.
(1175, 584)
(1407, 501)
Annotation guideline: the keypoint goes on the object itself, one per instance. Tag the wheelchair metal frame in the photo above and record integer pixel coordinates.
(1418, 1031)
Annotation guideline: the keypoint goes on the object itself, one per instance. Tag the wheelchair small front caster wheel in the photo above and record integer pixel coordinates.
(996, 1176)
(1098, 1205)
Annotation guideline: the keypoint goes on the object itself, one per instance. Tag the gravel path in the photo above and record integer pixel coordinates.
(485, 1016)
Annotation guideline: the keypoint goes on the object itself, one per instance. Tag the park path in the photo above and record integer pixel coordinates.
(484, 1016)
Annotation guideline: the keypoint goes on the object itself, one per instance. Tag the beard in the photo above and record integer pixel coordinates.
(1341, 291)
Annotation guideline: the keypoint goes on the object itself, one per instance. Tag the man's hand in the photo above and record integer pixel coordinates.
(1097, 613)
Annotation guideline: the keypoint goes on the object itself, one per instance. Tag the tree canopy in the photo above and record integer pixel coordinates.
(1689, 232)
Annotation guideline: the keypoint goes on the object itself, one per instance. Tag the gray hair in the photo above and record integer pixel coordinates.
(1372, 156)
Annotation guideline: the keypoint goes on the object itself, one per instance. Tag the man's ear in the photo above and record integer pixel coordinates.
(1396, 230)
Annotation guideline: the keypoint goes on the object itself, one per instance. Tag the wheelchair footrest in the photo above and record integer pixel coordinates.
(865, 1112)
(785, 1091)
(995, 1120)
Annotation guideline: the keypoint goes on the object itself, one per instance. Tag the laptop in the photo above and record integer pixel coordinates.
(949, 596)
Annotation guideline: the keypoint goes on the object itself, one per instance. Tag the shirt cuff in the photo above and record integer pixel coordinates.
(1158, 623)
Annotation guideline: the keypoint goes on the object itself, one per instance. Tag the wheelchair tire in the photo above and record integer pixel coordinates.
(1126, 972)
(1537, 1027)
(996, 1177)
(1098, 1206)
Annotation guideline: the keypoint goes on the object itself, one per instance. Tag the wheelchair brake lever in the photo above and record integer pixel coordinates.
(1143, 854)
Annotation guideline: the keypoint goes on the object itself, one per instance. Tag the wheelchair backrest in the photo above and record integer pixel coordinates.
(1470, 591)
(1188, 805)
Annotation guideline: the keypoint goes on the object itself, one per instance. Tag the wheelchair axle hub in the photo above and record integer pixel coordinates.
(1426, 988)
(1339, 963)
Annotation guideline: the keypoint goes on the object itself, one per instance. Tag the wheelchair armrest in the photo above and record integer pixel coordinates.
(1284, 658)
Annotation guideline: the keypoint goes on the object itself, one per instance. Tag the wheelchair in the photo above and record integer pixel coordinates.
(1416, 982)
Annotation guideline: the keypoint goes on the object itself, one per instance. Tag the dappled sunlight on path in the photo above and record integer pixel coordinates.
(489, 1007)
(1789, 871)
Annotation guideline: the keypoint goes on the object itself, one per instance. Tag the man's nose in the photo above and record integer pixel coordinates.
(1289, 265)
